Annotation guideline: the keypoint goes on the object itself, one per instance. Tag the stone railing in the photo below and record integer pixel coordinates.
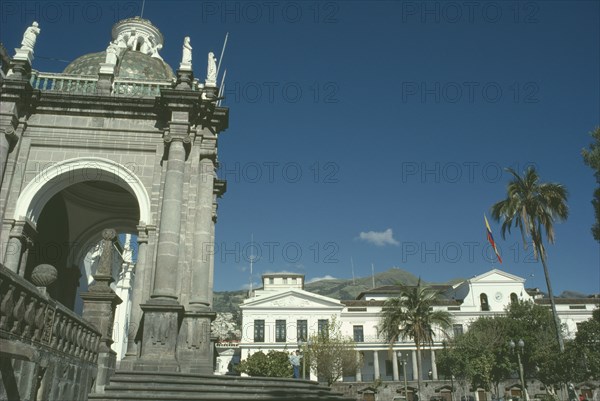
(63, 83)
(88, 85)
(29, 316)
(52, 353)
(138, 88)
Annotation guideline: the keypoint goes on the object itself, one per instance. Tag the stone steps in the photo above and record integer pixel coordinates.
(137, 386)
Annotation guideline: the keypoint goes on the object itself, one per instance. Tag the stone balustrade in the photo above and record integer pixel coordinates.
(87, 85)
(138, 88)
(29, 316)
(47, 351)
(64, 83)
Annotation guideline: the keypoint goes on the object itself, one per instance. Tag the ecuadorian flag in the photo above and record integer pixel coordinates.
(491, 238)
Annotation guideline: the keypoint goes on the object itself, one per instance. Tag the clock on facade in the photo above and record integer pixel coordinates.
(498, 296)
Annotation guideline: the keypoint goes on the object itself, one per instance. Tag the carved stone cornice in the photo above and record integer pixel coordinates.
(142, 237)
(10, 134)
(219, 187)
(25, 231)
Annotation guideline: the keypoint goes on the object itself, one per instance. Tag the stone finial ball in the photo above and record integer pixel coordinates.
(43, 275)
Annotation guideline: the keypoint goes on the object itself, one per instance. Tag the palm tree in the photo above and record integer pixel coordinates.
(411, 316)
(533, 207)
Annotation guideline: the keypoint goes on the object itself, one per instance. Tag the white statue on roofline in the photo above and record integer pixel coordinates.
(30, 36)
(186, 57)
(211, 73)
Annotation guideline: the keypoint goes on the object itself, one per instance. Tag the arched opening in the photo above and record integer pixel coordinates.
(70, 225)
(483, 299)
(514, 299)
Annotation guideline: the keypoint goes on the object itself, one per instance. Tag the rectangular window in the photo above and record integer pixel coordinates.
(358, 334)
(280, 331)
(302, 330)
(285, 280)
(271, 280)
(323, 327)
(259, 331)
(457, 329)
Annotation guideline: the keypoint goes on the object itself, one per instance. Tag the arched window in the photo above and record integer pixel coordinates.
(485, 306)
(514, 298)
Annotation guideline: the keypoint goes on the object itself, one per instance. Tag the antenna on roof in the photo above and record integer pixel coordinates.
(142, 12)
(222, 53)
(352, 264)
(221, 88)
(251, 261)
(373, 274)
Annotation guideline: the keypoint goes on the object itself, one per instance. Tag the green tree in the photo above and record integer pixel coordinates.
(331, 354)
(587, 346)
(591, 157)
(533, 207)
(411, 316)
(273, 364)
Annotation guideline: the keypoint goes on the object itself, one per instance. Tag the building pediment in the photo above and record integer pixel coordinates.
(292, 299)
(497, 276)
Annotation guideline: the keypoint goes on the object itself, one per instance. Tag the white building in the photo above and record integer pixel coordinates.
(282, 313)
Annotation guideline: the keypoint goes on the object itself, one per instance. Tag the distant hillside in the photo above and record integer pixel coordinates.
(346, 289)
(229, 301)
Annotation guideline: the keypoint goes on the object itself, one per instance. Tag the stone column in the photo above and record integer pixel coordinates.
(99, 305)
(433, 366)
(166, 273)
(194, 347)
(376, 364)
(416, 372)
(395, 367)
(20, 241)
(140, 272)
(203, 244)
(163, 313)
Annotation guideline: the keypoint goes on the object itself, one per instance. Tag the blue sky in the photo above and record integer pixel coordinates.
(378, 130)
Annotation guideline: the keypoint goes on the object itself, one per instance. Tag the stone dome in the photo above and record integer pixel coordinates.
(137, 43)
(131, 64)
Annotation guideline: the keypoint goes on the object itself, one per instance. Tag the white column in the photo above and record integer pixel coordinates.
(395, 366)
(434, 366)
(358, 369)
(416, 372)
(376, 364)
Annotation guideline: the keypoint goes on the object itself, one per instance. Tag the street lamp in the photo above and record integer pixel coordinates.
(301, 346)
(403, 361)
(519, 352)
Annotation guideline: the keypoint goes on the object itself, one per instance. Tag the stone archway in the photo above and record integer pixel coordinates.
(69, 204)
(72, 171)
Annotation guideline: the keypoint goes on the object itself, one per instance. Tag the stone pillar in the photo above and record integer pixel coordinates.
(433, 366)
(99, 305)
(141, 270)
(194, 347)
(376, 364)
(395, 367)
(203, 243)
(416, 372)
(20, 240)
(358, 369)
(163, 313)
(166, 273)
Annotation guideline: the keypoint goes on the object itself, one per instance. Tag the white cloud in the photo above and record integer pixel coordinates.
(379, 238)
(327, 277)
